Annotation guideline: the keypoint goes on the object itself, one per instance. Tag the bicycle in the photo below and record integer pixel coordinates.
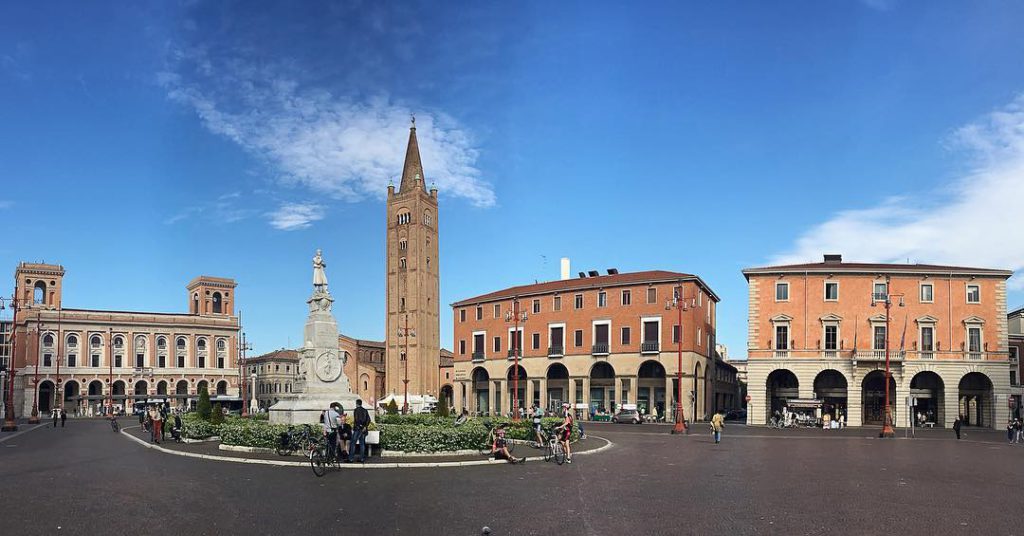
(320, 457)
(115, 425)
(488, 447)
(293, 440)
(553, 449)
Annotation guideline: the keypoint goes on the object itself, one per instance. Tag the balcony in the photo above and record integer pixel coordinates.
(600, 348)
(781, 354)
(649, 347)
(879, 355)
(831, 354)
(556, 351)
(478, 356)
(926, 354)
(512, 354)
(973, 356)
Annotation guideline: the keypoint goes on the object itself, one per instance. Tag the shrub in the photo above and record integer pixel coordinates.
(203, 406)
(194, 427)
(251, 433)
(414, 438)
(217, 414)
(392, 408)
(423, 419)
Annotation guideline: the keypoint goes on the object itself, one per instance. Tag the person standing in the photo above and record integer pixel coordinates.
(63, 417)
(158, 428)
(538, 415)
(361, 423)
(330, 426)
(1018, 427)
(56, 415)
(717, 423)
(1009, 432)
(956, 426)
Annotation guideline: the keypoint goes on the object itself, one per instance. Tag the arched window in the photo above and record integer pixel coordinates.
(401, 263)
(161, 343)
(221, 345)
(95, 341)
(39, 292)
(181, 344)
(48, 340)
(140, 342)
(403, 244)
(217, 305)
(427, 219)
(195, 303)
(119, 342)
(201, 344)
(72, 341)
(404, 218)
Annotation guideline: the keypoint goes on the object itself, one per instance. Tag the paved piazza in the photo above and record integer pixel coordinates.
(87, 480)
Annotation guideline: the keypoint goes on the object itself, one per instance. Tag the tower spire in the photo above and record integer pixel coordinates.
(412, 173)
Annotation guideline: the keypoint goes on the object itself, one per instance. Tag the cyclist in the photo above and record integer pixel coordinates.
(500, 447)
(565, 430)
(538, 415)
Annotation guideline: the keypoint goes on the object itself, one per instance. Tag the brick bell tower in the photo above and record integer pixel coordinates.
(413, 284)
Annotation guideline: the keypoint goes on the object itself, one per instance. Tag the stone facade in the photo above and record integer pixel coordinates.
(598, 341)
(1015, 336)
(819, 337)
(81, 355)
(275, 374)
(413, 287)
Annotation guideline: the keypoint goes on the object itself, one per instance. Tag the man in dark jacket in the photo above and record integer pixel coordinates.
(361, 421)
(956, 427)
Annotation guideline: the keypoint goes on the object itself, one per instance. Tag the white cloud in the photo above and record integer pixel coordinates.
(295, 216)
(6, 204)
(224, 210)
(343, 147)
(975, 220)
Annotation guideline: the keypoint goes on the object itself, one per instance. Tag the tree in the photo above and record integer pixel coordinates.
(217, 416)
(442, 407)
(392, 408)
(203, 406)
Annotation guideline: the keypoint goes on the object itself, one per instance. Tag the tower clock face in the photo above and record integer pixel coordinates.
(328, 366)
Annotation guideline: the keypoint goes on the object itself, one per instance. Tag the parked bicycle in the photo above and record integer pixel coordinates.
(295, 439)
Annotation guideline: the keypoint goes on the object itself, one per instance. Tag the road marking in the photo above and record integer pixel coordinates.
(394, 465)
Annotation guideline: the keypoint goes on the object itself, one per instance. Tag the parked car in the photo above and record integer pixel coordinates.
(628, 416)
(736, 415)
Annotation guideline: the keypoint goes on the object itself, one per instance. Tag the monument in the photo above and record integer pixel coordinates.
(320, 380)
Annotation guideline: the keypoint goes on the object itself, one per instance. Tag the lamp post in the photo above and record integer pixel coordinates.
(515, 316)
(110, 372)
(406, 332)
(34, 418)
(886, 299)
(680, 304)
(10, 424)
(241, 371)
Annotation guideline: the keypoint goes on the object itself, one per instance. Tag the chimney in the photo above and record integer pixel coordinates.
(833, 258)
(565, 268)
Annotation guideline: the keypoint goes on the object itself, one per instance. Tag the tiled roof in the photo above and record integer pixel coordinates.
(584, 283)
(862, 267)
(283, 354)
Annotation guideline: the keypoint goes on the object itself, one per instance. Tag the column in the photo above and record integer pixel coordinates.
(527, 401)
(490, 397)
(586, 396)
(543, 393)
(634, 390)
(854, 403)
(571, 395)
(900, 419)
(506, 398)
(458, 398)
(950, 402)
(670, 400)
(618, 393)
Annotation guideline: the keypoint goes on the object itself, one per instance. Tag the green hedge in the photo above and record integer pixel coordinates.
(193, 427)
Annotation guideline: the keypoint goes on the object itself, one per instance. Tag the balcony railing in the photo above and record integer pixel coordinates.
(600, 348)
(781, 354)
(879, 355)
(512, 353)
(649, 347)
(974, 356)
(556, 351)
(926, 354)
(478, 356)
(831, 354)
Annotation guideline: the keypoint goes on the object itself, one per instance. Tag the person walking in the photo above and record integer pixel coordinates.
(361, 423)
(56, 415)
(158, 428)
(717, 423)
(956, 426)
(538, 416)
(63, 417)
(1009, 432)
(163, 421)
(1018, 428)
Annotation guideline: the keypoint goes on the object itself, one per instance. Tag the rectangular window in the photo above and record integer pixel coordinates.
(95, 360)
(625, 336)
(181, 361)
(1013, 377)
(556, 304)
(462, 347)
(927, 293)
(652, 295)
(578, 301)
(516, 342)
(497, 310)
(675, 333)
(627, 297)
(1014, 354)
(601, 334)
(72, 360)
(881, 292)
(831, 337)
(699, 338)
(557, 340)
(479, 312)
(140, 360)
(47, 360)
(117, 361)
(497, 344)
(536, 341)
(578, 336)
(781, 291)
(162, 361)
(462, 315)
(478, 344)
(879, 339)
(602, 299)
(973, 294)
(974, 340)
(220, 362)
(202, 362)
(927, 339)
(536, 306)
(782, 337)
(831, 291)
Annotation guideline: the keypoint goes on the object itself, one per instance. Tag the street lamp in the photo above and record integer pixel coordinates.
(241, 370)
(680, 304)
(516, 317)
(886, 299)
(10, 424)
(406, 332)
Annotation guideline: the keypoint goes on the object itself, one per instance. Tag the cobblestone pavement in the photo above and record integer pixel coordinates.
(87, 480)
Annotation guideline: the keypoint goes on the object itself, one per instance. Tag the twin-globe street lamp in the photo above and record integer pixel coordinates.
(680, 304)
(886, 299)
(515, 316)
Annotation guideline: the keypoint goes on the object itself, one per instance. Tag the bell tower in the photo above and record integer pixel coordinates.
(413, 312)
(39, 285)
(211, 296)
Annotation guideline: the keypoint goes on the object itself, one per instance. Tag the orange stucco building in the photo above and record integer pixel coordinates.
(819, 332)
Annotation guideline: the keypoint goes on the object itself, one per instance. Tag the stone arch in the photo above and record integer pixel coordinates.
(72, 393)
(602, 395)
(218, 303)
(781, 385)
(976, 399)
(161, 387)
(928, 391)
(39, 292)
(557, 379)
(873, 398)
(652, 398)
(45, 402)
(222, 388)
(831, 386)
(480, 391)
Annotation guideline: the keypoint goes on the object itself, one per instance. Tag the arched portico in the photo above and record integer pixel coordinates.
(781, 385)
(976, 400)
(481, 391)
(927, 390)
(830, 386)
(602, 387)
(557, 380)
(651, 389)
(873, 398)
(45, 402)
(510, 376)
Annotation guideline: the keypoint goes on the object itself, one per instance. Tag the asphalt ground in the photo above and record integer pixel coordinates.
(85, 479)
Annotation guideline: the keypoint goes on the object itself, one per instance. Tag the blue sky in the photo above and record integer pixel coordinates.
(144, 145)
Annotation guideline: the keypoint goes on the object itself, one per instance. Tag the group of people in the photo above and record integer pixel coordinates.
(346, 442)
(1015, 431)
(59, 414)
(499, 444)
(153, 420)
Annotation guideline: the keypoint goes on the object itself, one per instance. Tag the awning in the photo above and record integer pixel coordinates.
(803, 403)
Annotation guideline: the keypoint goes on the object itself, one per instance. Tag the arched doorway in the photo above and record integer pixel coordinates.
(830, 387)
(510, 376)
(926, 388)
(651, 389)
(161, 388)
(976, 400)
(95, 396)
(481, 393)
(201, 386)
(558, 387)
(119, 396)
(602, 388)
(781, 386)
(181, 393)
(72, 396)
(873, 398)
(45, 402)
(222, 388)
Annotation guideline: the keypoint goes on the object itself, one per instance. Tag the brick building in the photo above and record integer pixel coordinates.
(597, 341)
(818, 332)
(85, 355)
(1015, 328)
